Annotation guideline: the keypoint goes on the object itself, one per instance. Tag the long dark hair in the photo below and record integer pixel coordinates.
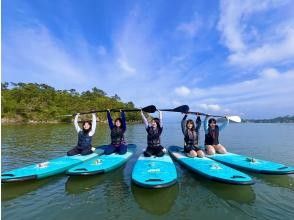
(192, 122)
(120, 120)
(87, 130)
(157, 121)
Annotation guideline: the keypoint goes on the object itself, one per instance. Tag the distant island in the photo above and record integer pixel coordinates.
(41, 103)
(284, 119)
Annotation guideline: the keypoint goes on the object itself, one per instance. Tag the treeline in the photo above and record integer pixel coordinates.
(24, 102)
(285, 119)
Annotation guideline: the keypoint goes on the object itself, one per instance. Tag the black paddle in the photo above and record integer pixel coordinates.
(149, 109)
(182, 109)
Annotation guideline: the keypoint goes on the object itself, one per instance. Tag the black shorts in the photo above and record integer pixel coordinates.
(187, 149)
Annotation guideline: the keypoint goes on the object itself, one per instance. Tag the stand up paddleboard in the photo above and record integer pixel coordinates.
(209, 168)
(154, 172)
(252, 164)
(102, 163)
(46, 169)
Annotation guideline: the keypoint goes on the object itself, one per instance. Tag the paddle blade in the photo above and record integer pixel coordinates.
(234, 118)
(182, 108)
(149, 109)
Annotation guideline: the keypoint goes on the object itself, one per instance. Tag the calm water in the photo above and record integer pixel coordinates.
(112, 196)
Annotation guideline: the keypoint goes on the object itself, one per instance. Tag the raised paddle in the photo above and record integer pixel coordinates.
(182, 109)
(234, 118)
(149, 109)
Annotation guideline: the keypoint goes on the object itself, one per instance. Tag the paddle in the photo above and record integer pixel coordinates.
(182, 109)
(149, 109)
(234, 118)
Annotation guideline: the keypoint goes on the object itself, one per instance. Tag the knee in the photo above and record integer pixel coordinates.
(200, 153)
(193, 153)
(222, 150)
(210, 150)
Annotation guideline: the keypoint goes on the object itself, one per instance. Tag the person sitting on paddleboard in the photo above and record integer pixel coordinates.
(117, 129)
(212, 130)
(191, 137)
(84, 146)
(154, 131)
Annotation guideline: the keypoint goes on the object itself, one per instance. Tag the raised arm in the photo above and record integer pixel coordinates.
(160, 118)
(110, 123)
(198, 123)
(224, 124)
(123, 118)
(144, 119)
(77, 127)
(183, 123)
(93, 129)
(205, 123)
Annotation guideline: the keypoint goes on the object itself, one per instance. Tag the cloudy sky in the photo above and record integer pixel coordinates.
(225, 57)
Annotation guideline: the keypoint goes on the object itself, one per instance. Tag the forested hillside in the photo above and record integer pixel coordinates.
(33, 102)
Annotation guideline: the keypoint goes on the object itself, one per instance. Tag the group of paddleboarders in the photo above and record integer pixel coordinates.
(154, 130)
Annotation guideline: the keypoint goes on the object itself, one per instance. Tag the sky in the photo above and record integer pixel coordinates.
(219, 57)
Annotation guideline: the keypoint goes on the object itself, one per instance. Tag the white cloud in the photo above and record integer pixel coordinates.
(268, 94)
(182, 91)
(36, 55)
(126, 67)
(190, 28)
(211, 107)
(273, 45)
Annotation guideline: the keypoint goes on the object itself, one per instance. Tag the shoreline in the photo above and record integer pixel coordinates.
(13, 121)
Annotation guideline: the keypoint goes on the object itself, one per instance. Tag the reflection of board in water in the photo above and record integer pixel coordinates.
(156, 201)
(13, 190)
(285, 181)
(239, 194)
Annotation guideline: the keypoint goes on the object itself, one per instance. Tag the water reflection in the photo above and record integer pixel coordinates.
(156, 201)
(16, 189)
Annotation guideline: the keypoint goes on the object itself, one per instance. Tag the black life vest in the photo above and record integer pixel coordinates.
(191, 138)
(117, 136)
(153, 137)
(211, 138)
(84, 140)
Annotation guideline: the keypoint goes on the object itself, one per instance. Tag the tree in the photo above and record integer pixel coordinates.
(116, 97)
(4, 86)
(97, 91)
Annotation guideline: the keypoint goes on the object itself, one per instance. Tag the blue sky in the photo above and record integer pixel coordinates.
(225, 57)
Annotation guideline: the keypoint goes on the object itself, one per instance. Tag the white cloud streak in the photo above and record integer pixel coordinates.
(234, 23)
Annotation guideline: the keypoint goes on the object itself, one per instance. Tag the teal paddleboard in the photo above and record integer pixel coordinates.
(102, 164)
(209, 168)
(252, 164)
(154, 172)
(45, 169)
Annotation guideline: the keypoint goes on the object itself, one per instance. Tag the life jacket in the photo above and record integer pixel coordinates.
(191, 138)
(153, 137)
(211, 138)
(84, 140)
(117, 136)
